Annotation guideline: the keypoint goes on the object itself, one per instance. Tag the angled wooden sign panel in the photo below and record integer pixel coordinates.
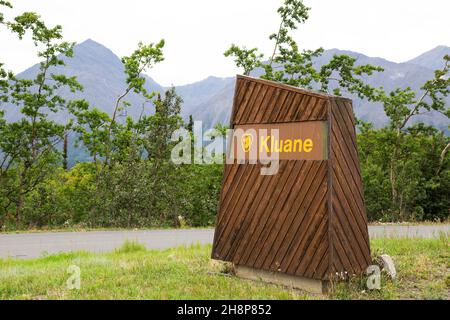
(307, 220)
(291, 140)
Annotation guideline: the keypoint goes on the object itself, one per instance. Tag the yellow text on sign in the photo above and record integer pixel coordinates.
(270, 144)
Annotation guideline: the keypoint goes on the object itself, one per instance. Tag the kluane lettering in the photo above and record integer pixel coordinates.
(270, 144)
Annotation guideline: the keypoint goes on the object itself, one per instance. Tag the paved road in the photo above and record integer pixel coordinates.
(32, 245)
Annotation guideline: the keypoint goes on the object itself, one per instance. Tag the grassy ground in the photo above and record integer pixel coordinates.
(187, 273)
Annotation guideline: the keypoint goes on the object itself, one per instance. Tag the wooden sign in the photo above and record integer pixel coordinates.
(308, 220)
(290, 141)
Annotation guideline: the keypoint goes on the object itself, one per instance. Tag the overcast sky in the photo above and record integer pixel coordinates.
(197, 32)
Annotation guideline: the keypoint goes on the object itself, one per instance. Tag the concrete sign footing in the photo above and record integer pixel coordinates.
(302, 283)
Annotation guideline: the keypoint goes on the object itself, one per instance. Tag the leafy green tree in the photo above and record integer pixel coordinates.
(5, 78)
(198, 193)
(92, 127)
(157, 131)
(28, 146)
(401, 106)
(65, 154)
(6, 4)
(141, 187)
(142, 59)
(190, 124)
(249, 59)
(409, 161)
(288, 64)
(100, 133)
(423, 194)
(391, 157)
(159, 128)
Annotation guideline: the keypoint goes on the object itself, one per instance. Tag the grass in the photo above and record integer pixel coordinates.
(132, 272)
(423, 271)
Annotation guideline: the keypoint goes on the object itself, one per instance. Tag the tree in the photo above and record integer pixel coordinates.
(158, 128)
(100, 133)
(5, 78)
(65, 154)
(92, 127)
(190, 124)
(142, 186)
(29, 145)
(398, 144)
(157, 131)
(136, 180)
(422, 193)
(401, 106)
(143, 58)
(6, 4)
(290, 65)
(245, 58)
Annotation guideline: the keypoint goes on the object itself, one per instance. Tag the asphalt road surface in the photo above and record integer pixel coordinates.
(33, 245)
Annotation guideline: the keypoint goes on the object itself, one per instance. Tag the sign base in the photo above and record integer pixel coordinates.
(306, 284)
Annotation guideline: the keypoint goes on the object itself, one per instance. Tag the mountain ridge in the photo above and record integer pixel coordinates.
(431, 59)
(100, 71)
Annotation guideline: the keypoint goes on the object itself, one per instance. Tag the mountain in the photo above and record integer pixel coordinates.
(395, 75)
(217, 107)
(431, 59)
(209, 100)
(100, 71)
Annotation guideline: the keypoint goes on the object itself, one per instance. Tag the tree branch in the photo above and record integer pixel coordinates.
(442, 159)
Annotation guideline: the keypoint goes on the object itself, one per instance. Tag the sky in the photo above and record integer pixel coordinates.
(197, 32)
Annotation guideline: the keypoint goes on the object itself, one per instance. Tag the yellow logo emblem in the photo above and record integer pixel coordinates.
(247, 140)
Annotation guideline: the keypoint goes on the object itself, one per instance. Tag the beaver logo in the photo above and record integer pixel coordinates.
(247, 140)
